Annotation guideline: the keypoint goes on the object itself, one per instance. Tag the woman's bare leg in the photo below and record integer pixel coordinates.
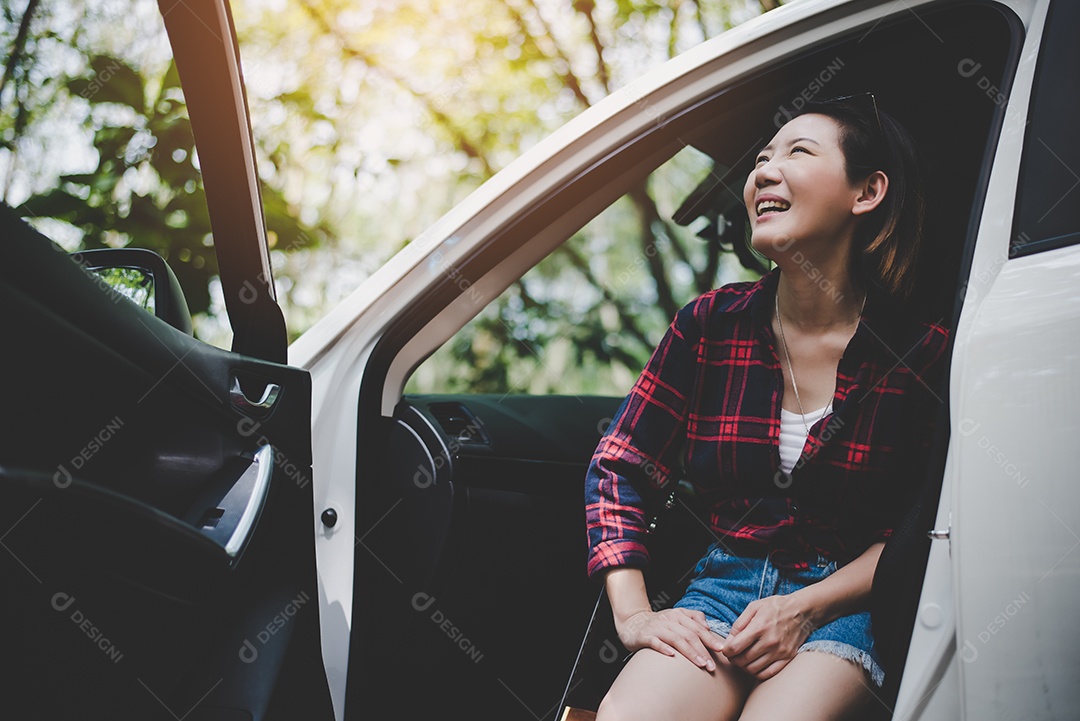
(814, 686)
(655, 687)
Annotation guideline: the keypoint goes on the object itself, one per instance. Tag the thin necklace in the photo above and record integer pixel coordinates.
(791, 371)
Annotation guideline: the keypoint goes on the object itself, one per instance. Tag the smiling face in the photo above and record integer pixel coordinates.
(799, 195)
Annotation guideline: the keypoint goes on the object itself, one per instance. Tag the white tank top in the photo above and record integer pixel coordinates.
(793, 434)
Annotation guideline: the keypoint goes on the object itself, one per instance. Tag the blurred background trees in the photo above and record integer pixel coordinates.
(371, 119)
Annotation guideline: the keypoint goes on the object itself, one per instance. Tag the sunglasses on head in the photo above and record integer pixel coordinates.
(867, 100)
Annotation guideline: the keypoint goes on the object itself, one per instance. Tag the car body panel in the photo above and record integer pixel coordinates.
(1014, 512)
(931, 687)
(1015, 516)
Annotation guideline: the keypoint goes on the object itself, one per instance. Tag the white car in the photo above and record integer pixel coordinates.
(446, 531)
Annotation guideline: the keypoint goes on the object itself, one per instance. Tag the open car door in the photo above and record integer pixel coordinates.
(156, 515)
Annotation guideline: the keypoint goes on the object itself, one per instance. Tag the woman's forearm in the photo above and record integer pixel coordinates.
(845, 592)
(626, 592)
(670, 631)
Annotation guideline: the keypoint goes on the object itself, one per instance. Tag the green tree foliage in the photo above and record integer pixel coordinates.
(426, 99)
(371, 120)
(134, 178)
(586, 318)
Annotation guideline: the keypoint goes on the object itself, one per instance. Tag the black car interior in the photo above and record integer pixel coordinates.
(157, 510)
(471, 573)
(153, 528)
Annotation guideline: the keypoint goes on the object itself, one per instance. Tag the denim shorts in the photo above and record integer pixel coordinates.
(724, 585)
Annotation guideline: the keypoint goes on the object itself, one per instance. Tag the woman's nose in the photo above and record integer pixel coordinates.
(766, 174)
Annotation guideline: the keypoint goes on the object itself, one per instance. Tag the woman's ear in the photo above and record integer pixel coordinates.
(871, 192)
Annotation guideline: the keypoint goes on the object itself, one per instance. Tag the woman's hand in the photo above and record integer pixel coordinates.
(768, 634)
(671, 631)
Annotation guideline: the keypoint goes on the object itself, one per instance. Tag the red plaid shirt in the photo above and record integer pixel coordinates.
(707, 405)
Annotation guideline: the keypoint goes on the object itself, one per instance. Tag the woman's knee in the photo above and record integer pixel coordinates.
(630, 700)
(654, 687)
(614, 707)
(814, 686)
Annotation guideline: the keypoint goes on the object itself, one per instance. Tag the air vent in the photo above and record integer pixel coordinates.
(459, 423)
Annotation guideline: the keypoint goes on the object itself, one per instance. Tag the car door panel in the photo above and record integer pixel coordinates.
(150, 518)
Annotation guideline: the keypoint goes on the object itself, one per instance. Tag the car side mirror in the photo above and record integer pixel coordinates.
(143, 277)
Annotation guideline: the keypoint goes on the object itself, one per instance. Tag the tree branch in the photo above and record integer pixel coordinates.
(588, 9)
(647, 205)
(19, 45)
(673, 29)
(700, 17)
(442, 119)
(669, 230)
(707, 277)
(569, 78)
(626, 318)
(647, 215)
(20, 115)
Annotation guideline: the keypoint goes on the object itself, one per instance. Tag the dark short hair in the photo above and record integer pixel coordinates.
(888, 240)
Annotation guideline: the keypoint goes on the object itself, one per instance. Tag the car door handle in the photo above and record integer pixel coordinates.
(941, 534)
(248, 407)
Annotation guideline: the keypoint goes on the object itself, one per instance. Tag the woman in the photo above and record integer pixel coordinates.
(799, 407)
